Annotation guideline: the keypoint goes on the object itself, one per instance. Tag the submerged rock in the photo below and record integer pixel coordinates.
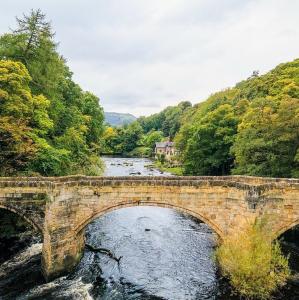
(135, 173)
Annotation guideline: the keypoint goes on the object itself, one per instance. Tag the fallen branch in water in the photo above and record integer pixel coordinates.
(103, 251)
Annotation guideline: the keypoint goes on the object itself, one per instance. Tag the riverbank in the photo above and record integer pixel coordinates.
(177, 170)
(152, 165)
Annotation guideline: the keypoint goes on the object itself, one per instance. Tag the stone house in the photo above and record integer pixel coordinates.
(165, 148)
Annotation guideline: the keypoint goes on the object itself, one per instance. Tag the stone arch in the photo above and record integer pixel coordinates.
(197, 215)
(285, 228)
(29, 220)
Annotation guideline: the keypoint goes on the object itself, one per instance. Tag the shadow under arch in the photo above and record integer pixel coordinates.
(284, 229)
(201, 217)
(288, 238)
(24, 217)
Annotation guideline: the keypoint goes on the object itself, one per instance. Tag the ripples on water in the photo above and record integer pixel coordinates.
(165, 255)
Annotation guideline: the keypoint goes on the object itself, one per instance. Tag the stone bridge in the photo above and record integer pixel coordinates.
(61, 207)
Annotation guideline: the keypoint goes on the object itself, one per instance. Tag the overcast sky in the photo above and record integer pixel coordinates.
(140, 56)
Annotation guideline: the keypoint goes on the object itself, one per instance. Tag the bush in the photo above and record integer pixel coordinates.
(161, 158)
(254, 265)
(140, 152)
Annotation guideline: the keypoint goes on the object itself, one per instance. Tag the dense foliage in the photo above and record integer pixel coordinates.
(139, 137)
(168, 120)
(208, 151)
(250, 129)
(255, 266)
(48, 125)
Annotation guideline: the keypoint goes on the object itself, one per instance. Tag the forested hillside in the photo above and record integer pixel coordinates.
(118, 119)
(252, 128)
(139, 137)
(48, 124)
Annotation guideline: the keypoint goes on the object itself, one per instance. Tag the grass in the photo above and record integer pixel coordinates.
(178, 171)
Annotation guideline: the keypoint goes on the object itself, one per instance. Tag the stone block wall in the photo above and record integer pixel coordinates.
(62, 207)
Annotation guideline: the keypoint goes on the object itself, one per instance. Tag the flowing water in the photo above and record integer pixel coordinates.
(165, 255)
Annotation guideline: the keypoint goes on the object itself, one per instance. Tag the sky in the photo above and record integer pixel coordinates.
(139, 56)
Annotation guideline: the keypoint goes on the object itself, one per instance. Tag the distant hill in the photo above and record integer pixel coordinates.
(118, 119)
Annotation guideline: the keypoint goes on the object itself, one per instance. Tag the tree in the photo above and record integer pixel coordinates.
(208, 149)
(66, 123)
(109, 138)
(268, 138)
(168, 120)
(94, 118)
(32, 44)
(172, 120)
(131, 137)
(23, 118)
(152, 138)
(266, 142)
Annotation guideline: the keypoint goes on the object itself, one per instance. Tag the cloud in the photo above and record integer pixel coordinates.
(139, 56)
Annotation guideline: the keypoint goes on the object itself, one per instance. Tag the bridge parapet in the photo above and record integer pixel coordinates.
(236, 180)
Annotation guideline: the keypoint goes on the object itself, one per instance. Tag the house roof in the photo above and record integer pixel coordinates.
(164, 144)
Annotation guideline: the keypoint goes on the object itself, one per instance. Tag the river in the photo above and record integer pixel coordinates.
(165, 255)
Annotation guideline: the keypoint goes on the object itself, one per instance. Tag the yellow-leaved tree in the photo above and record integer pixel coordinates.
(23, 118)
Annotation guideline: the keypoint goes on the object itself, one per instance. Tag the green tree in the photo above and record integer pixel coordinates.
(151, 138)
(266, 143)
(131, 137)
(94, 118)
(172, 121)
(268, 138)
(32, 44)
(208, 150)
(168, 120)
(72, 137)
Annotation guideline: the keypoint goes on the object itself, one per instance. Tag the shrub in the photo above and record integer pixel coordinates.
(161, 158)
(254, 265)
(140, 152)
